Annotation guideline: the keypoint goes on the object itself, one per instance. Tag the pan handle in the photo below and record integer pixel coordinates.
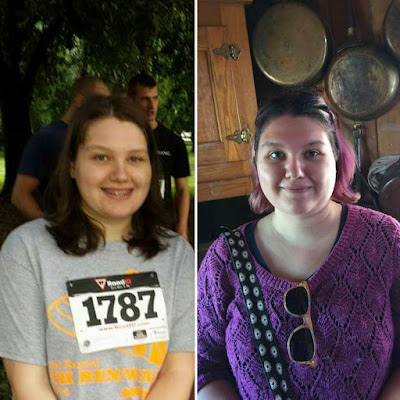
(357, 132)
(351, 36)
(350, 19)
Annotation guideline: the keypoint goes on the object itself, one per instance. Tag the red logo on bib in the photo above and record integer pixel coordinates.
(101, 282)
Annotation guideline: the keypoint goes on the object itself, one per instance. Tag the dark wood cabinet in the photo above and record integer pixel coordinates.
(226, 101)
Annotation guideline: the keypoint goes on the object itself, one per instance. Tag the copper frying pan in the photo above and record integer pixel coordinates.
(291, 44)
(362, 80)
(391, 29)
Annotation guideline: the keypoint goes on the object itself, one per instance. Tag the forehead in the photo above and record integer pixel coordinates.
(144, 91)
(114, 133)
(288, 129)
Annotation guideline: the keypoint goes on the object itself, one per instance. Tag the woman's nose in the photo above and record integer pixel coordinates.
(294, 168)
(119, 172)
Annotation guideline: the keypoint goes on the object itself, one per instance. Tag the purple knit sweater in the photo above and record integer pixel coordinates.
(355, 310)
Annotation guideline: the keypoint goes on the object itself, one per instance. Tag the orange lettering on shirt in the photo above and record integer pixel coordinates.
(99, 375)
(53, 377)
(66, 378)
(131, 374)
(148, 376)
(85, 376)
(61, 377)
(134, 392)
(113, 375)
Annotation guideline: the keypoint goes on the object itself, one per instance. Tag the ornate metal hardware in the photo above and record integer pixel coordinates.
(228, 51)
(243, 136)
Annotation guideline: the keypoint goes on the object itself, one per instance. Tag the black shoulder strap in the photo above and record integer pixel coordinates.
(260, 323)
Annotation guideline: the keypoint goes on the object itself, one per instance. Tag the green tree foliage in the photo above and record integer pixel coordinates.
(46, 44)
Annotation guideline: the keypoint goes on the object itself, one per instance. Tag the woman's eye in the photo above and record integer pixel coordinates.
(276, 155)
(135, 159)
(312, 153)
(101, 157)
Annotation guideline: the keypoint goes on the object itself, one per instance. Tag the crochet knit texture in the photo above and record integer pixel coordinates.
(355, 310)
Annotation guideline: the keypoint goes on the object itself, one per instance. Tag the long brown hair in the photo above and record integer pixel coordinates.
(76, 233)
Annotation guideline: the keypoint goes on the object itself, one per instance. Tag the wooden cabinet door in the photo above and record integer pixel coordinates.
(226, 103)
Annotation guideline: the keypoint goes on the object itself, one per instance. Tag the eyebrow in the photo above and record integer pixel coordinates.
(277, 144)
(95, 147)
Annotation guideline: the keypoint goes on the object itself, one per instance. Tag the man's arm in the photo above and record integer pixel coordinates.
(28, 382)
(175, 379)
(22, 196)
(183, 204)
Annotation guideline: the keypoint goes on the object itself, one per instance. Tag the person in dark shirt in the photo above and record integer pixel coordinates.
(142, 88)
(41, 153)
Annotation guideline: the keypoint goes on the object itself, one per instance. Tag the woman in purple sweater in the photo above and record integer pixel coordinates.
(347, 256)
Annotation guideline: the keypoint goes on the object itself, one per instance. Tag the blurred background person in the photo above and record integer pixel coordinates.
(42, 151)
(142, 88)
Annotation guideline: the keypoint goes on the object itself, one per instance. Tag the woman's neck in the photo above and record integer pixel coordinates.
(114, 234)
(305, 229)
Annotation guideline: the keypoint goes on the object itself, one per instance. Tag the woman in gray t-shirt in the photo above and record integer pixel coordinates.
(96, 300)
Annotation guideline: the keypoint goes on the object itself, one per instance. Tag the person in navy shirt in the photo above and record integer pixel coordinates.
(41, 153)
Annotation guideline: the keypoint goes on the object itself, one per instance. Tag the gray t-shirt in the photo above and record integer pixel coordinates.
(36, 325)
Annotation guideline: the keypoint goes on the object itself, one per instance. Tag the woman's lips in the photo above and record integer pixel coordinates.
(118, 193)
(300, 189)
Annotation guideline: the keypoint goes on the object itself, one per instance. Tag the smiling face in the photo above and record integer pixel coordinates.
(112, 171)
(296, 165)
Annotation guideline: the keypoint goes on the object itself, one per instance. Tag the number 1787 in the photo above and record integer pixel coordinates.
(129, 311)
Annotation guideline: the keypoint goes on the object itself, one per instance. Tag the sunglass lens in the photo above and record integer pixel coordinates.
(302, 345)
(297, 300)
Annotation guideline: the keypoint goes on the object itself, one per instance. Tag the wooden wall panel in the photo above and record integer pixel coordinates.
(389, 132)
(208, 13)
(378, 11)
(233, 170)
(388, 125)
(207, 116)
(223, 189)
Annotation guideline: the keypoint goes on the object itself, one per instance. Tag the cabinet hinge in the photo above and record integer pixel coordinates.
(228, 51)
(243, 136)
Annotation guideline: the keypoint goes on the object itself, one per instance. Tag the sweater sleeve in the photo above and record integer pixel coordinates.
(395, 301)
(213, 301)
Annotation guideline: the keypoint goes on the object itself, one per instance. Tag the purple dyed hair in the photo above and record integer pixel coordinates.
(303, 103)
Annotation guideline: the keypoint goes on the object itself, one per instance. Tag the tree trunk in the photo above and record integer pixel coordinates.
(17, 129)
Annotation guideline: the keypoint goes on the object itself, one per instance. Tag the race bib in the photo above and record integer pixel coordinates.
(117, 311)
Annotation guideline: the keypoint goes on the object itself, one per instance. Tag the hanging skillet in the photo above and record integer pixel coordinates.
(391, 29)
(291, 44)
(362, 80)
